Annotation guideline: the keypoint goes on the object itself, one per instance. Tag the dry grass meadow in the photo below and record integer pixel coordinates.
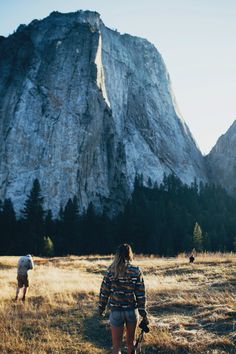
(192, 307)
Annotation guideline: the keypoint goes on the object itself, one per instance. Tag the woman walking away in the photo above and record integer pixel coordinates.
(123, 289)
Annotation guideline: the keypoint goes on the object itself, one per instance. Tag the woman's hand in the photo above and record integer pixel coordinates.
(145, 320)
(101, 312)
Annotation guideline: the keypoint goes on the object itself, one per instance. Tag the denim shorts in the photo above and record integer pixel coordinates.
(119, 317)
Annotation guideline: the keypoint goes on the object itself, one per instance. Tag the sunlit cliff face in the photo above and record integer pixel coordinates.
(84, 109)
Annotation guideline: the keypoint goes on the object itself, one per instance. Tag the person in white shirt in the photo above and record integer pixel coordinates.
(25, 263)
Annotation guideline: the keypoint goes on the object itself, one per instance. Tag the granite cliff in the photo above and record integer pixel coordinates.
(84, 109)
(221, 161)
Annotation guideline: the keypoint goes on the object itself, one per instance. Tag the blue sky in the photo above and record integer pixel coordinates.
(195, 37)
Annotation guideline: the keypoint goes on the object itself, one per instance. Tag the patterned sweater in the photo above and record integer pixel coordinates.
(124, 293)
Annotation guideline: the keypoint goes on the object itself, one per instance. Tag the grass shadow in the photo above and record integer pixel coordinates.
(37, 301)
(173, 308)
(6, 266)
(214, 263)
(221, 285)
(222, 326)
(100, 270)
(181, 271)
(97, 331)
(220, 347)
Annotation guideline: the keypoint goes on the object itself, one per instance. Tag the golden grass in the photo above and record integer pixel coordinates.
(192, 307)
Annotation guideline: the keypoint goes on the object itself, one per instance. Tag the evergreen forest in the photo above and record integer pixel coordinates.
(163, 219)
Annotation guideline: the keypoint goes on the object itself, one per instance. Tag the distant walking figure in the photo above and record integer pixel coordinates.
(25, 263)
(191, 258)
(124, 291)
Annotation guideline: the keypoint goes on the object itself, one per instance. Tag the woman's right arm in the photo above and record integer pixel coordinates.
(105, 291)
(140, 295)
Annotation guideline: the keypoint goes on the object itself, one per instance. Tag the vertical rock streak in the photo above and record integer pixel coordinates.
(100, 71)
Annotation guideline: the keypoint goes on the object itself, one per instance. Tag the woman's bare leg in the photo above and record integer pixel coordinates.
(117, 335)
(130, 334)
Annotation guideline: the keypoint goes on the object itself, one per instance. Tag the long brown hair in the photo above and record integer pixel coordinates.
(123, 256)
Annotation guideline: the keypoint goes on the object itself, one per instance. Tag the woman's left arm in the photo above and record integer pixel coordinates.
(105, 291)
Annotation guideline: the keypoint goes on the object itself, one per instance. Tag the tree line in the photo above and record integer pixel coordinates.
(160, 219)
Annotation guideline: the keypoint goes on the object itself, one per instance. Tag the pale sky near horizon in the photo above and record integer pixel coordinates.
(196, 39)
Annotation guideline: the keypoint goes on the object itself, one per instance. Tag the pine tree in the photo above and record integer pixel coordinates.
(33, 215)
(90, 230)
(234, 244)
(48, 247)
(50, 225)
(2, 236)
(70, 242)
(197, 238)
(8, 229)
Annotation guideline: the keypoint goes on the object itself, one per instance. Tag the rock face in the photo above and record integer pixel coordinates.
(84, 109)
(221, 161)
